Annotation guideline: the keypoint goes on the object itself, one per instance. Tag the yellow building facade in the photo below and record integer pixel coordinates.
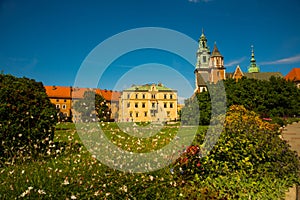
(61, 97)
(148, 103)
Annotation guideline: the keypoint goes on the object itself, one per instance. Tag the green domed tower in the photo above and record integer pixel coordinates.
(253, 68)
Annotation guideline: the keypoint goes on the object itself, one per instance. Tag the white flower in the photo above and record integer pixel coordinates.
(66, 182)
(73, 197)
(41, 191)
(151, 178)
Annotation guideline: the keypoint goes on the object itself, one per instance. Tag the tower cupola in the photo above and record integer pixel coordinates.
(253, 68)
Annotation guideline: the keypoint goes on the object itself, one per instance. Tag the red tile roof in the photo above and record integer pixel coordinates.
(77, 93)
(58, 91)
(110, 95)
(293, 75)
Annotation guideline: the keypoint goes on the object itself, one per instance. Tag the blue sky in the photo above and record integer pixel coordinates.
(48, 40)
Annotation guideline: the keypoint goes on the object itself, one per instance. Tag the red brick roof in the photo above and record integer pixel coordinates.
(58, 91)
(293, 75)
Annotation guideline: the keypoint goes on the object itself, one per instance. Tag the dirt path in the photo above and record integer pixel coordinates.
(291, 134)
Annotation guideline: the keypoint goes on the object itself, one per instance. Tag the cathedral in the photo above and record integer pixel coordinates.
(209, 66)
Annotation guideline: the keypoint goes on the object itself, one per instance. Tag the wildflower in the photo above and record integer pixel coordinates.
(73, 197)
(172, 170)
(41, 191)
(66, 182)
(151, 178)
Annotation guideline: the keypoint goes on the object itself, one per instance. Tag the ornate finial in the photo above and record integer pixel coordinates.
(253, 67)
(252, 54)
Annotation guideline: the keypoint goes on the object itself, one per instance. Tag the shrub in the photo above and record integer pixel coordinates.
(27, 116)
(247, 146)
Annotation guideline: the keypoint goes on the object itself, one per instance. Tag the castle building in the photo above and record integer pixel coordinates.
(148, 103)
(210, 65)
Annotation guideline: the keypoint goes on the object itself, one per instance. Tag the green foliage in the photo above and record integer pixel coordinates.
(27, 117)
(249, 147)
(92, 107)
(75, 173)
(276, 97)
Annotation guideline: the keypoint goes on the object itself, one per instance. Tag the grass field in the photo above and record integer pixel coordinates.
(70, 171)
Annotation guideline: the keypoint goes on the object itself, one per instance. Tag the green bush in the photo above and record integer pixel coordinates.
(27, 117)
(247, 146)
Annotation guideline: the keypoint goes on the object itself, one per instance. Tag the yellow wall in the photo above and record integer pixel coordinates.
(147, 107)
(64, 105)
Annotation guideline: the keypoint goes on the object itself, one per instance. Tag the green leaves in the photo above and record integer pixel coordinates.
(27, 116)
(92, 107)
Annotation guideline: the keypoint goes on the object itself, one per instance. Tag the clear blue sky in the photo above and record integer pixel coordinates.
(47, 40)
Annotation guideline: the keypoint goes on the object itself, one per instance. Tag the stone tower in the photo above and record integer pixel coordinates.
(202, 70)
(210, 65)
(216, 65)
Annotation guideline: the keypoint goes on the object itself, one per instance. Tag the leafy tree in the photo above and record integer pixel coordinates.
(92, 107)
(27, 117)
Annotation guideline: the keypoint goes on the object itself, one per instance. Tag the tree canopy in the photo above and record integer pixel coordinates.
(27, 117)
(276, 97)
(92, 107)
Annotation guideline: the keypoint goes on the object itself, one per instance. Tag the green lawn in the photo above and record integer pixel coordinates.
(71, 172)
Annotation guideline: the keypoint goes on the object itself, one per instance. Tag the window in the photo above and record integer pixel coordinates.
(145, 113)
(143, 105)
(57, 106)
(171, 96)
(128, 96)
(171, 105)
(153, 105)
(57, 100)
(144, 96)
(153, 96)
(128, 105)
(136, 105)
(136, 114)
(152, 113)
(204, 59)
(64, 106)
(65, 100)
(136, 96)
(130, 114)
(168, 113)
(165, 96)
(165, 105)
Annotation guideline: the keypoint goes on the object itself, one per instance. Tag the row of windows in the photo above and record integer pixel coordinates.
(57, 100)
(64, 106)
(153, 96)
(153, 105)
(137, 114)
